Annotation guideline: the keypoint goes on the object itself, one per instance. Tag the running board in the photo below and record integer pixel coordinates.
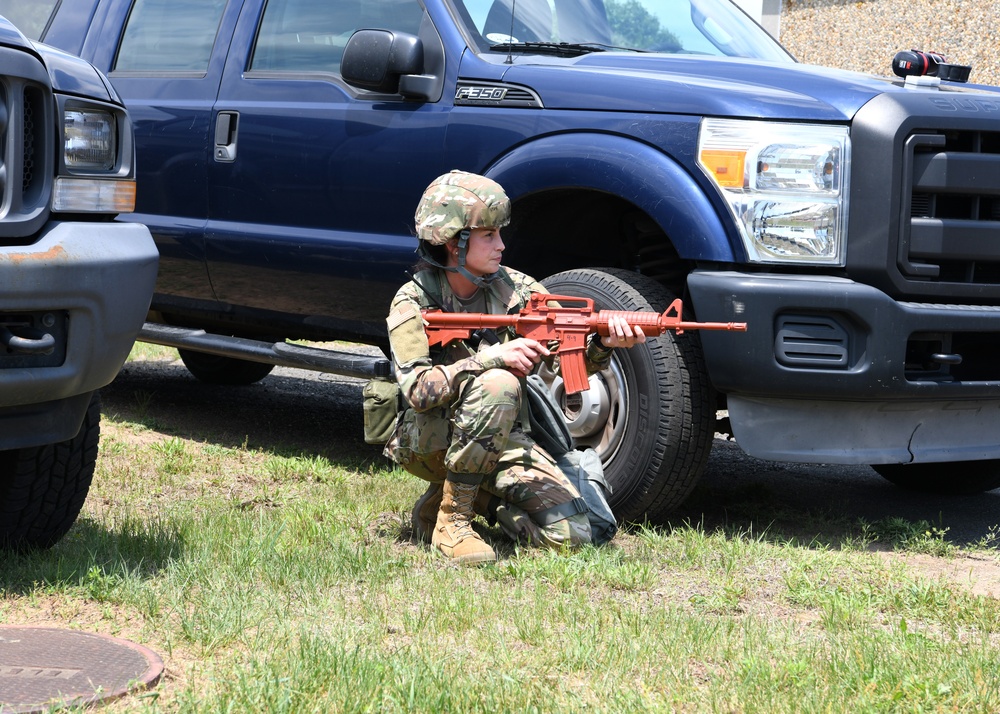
(283, 354)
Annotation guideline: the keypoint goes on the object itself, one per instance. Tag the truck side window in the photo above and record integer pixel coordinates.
(310, 35)
(169, 35)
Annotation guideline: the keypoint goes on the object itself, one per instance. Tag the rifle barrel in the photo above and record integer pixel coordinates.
(731, 326)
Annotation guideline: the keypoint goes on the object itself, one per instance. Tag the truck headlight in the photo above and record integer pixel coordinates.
(89, 140)
(96, 174)
(786, 185)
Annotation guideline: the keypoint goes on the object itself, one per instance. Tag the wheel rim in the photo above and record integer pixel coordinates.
(598, 417)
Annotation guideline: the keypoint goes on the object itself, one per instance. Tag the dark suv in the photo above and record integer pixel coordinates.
(74, 285)
(652, 148)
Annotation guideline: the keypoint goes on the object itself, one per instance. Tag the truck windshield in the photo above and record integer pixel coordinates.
(29, 17)
(712, 27)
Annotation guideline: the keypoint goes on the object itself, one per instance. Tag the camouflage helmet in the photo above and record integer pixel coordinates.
(459, 200)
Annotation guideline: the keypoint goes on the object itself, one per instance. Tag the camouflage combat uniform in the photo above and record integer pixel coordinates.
(465, 411)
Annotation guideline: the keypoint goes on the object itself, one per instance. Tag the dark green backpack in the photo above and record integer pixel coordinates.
(582, 467)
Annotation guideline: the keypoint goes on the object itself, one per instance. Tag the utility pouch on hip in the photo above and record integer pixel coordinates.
(381, 407)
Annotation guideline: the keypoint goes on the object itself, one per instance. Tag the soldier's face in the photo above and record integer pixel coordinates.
(484, 251)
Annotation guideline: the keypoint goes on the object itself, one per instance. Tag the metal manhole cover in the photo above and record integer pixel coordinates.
(41, 667)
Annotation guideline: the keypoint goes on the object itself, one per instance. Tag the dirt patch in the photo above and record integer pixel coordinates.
(978, 576)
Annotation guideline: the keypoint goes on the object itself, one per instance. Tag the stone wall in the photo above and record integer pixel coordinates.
(864, 35)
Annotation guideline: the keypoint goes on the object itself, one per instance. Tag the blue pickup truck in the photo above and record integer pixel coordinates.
(75, 286)
(652, 148)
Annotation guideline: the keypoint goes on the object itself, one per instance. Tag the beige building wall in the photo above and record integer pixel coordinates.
(864, 36)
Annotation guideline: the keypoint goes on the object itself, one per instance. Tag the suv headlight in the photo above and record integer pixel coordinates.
(96, 164)
(786, 185)
(89, 140)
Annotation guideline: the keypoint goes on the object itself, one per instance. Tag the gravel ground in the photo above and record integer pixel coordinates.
(864, 36)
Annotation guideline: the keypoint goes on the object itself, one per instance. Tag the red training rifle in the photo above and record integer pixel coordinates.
(569, 322)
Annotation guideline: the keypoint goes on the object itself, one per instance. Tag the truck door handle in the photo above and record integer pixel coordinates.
(226, 124)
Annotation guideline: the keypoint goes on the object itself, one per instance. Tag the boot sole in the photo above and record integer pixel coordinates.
(483, 556)
(478, 559)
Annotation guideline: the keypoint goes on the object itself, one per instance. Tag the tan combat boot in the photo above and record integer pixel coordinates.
(425, 511)
(453, 533)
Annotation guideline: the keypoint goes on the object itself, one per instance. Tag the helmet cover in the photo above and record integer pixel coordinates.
(459, 200)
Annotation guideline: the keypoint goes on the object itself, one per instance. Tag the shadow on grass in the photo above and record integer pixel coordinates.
(829, 506)
(295, 413)
(285, 413)
(92, 556)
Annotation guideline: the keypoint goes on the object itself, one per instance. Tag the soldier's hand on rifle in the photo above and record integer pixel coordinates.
(520, 355)
(622, 334)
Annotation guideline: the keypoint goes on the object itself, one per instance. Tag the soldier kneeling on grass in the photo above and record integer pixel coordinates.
(461, 428)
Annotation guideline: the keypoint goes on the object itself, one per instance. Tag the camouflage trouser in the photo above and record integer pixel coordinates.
(479, 435)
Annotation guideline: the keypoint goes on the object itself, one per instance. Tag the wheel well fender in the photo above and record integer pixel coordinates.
(635, 172)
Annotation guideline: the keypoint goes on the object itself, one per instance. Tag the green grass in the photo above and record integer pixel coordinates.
(145, 351)
(272, 581)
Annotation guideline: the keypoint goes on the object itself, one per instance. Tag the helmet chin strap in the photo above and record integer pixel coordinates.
(480, 281)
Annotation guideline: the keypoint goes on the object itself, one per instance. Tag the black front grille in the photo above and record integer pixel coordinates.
(951, 216)
(28, 144)
(31, 114)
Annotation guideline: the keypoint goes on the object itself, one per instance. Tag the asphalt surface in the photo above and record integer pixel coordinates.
(298, 412)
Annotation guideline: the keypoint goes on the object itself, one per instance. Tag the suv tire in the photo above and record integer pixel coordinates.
(42, 488)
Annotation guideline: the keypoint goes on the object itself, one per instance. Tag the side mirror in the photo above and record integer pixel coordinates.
(376, 59)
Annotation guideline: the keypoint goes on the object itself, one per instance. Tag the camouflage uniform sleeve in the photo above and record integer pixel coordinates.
(598, 357)
(425, 385)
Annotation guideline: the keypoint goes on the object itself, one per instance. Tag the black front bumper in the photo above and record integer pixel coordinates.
(832, 370)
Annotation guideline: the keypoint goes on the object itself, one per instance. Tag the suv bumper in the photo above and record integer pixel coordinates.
(834, 371)
(88, 285)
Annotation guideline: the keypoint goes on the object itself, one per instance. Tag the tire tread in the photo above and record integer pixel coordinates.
(43, 488)
(679, 450)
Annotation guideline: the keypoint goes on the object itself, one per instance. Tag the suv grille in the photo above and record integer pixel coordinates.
(32, 100)
(27, 145)
(951, 212)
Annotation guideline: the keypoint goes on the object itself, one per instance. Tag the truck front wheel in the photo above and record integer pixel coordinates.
(650, 414)
(42, 488)
(955, 478)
